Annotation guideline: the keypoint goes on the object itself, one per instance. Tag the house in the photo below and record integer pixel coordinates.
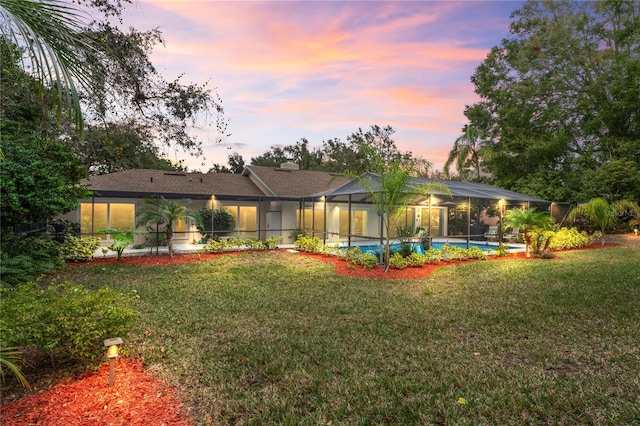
(280, 201)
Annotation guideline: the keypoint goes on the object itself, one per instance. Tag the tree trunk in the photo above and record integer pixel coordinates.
(169, 241)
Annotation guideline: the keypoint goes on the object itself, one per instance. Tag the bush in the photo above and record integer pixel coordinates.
(79, 248)
(568, 238)
(369, 260)
(23, 259)
(432, 256)
(309, 244)
(215, 246)
(223, 223)
(65, 319)
(397, 261)
(272, 242)
(416, 260)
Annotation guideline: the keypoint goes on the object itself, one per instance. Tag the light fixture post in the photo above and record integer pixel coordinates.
(112, 353)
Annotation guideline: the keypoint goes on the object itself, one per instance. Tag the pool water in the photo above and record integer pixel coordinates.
(417, 247)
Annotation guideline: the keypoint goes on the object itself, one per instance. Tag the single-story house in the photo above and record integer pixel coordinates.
(280, 201)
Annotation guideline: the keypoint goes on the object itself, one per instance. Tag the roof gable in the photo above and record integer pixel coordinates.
(284, 182)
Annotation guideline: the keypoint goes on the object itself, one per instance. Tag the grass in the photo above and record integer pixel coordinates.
(278, 338)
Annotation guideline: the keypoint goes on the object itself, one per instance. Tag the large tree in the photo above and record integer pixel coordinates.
(559, 99)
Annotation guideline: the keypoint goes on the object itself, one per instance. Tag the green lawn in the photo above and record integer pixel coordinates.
(278, 338)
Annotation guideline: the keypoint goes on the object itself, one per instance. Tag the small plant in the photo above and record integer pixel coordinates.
(11, 358)
(79, 249)
(309, 244)
(121, 240)
(397, 261)
(432, 255)
(416, 260)
(369, 260)
(272, 242)
(216, 246)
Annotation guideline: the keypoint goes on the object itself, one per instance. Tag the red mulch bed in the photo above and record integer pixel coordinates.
(136, 398)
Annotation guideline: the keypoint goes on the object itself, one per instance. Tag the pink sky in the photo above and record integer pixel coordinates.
(320, 70)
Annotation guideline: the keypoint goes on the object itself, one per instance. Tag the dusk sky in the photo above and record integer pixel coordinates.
(320, 70)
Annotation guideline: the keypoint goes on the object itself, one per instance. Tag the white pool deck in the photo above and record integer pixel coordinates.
(184, 248)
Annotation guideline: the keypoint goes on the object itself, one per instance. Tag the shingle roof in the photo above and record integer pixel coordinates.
(282, 182)
(141, 182)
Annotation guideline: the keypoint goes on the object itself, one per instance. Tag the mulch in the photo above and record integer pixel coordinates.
(136, 397)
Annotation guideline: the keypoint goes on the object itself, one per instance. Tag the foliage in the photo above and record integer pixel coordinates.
(392, 190)
(309, 244)
(571, 238)
(162, 212)
(216, 246)
(51, 34)
(397, 261)
(602, 215)
(528, 220)
(79, 249)
(121, 239)
(11, 358)
(368, 260)
(467, 154)
(23, 259)
(272, 242)
(65, 319)
(361, 153)
(558, 107)
(222, 222)
(40, 180)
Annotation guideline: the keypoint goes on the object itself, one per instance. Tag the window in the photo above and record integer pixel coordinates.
(359, 222)
(96, 216)
(404, 219)
(311, 220)
(435, 221)
(245, 218)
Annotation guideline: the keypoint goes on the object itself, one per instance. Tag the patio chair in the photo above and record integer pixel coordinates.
(513, 235)
(492, 233)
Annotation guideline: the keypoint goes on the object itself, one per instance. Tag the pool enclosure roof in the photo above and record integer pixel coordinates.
(458, 189)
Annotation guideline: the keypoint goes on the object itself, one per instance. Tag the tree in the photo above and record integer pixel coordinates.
(51, 33)
(159, 211)
(603, 215)
(529, 221)
(559, 96)
(236, 165)
(298, 153)
(40, 180)
(466, 154)
(120, 146)
(215, 222)
(392, 190)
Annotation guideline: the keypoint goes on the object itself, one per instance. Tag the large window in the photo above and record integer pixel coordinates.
(404, 219)
(96, 216)
(310, 220)
(246, 220)
(359, 222)
(434, 223)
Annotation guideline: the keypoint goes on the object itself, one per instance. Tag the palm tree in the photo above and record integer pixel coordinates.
(603, 215)
(392, 190)
(466, 152)
(528, 221)
(52, 34)
(168, 213)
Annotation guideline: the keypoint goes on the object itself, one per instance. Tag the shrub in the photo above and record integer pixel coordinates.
(215, 246)
(416, 260)
(223, 223)
(369, 260)
(65, 319)
(397, 261)
(309, 244)
(79, 248)
(23, 259)
(272, 242)
(568, 238)
(476, 253)
(254, 244)
(432, 255)
(121, 239)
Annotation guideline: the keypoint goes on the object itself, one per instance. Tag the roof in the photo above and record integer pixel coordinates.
(145, 182)
(457, 188)
(283, 182)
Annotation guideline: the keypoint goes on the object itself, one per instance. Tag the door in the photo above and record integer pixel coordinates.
(274, 224)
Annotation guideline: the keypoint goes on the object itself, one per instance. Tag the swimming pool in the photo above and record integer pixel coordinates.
(436, 245)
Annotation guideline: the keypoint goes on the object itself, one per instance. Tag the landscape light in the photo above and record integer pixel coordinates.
(113, 351)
